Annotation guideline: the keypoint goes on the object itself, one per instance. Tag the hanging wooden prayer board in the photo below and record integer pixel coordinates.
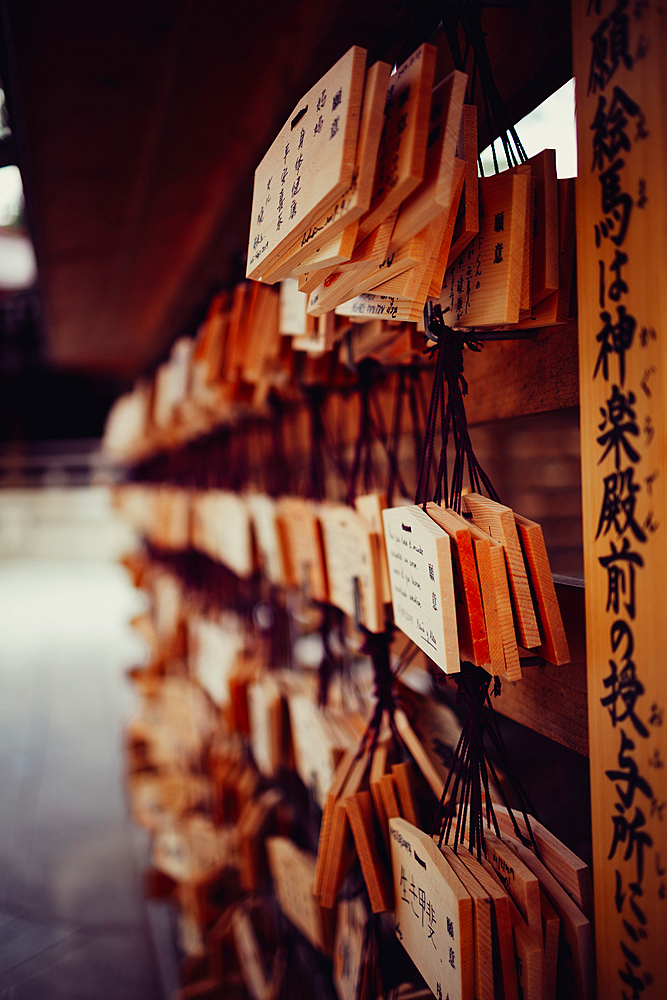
(434, 919)
(221, 528)
(483, 285)
(466, 224)
(483, 924)
(435, 193)
(292, 871)
(304, 546)
(348, 957)
(354, 201)
(498, 521)
(309, 164)
(352, 551)
(473, 641)
(402, 152)
(422, 583)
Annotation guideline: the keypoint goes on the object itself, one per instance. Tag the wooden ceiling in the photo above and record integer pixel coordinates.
(139, 126)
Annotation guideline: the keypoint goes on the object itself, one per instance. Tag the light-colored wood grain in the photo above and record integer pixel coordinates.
(569, 870)
(304, 542)
(415, 282)
(377, 770)
(437, 190)
(498, 521)
(434, 918)
(473, 641)
(483, 918)
(529, 948)
(483, 285)
(466, 225)
(340, 777)
(387, 788)
(554, 647)
(368, 305)
(370, 506)
(221, 529)
(625, 632)
(354, 201)
(418, 753)
(442, 258)
(402, 151)
(545, 228)
(336, 250)
(368, 265)
(551, 933)
(522, 885)
(576, 929)
(339, 847)
(505, 967)
(422, 585)
(352, 552)
(292, 871)
(359, 808)
(309, 164)
(348, 957)
(403, 775)
(395, 264)
(554, 309)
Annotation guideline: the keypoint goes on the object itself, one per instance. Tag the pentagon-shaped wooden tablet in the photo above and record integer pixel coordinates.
(498, 521)
(422, 583)
(473, 640)
(434, 918)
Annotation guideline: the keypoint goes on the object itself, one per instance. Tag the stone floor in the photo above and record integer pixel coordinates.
(73, 923)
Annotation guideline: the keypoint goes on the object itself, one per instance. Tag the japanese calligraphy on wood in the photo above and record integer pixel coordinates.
(422, 584)
(434, 920)
(309, 164)
(620, 61)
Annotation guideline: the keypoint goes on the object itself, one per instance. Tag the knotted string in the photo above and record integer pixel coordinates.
(466, 795)
(448, 351)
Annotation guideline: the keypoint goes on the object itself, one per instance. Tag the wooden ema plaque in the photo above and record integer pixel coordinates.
(292, 871)
(249, 955)
(221, 528)
(483, 929)
(309, 164)
(555, 308)
(263, 516)
(422, 584)
(368, 259)
(466, 224)
(387, 307)
(402, 150)
(348, 957)
(434, 918)
(504, 954)
(370, 506)
(494, 588)
(415, 282)
(473, 641)
(304, 546)
(545, 226)
(570, 871)
(483, 285)
(498, 521)
(529, 947)
(437, 190)
(578, 957)
(554, 647)
(353, 553)
(355, 200)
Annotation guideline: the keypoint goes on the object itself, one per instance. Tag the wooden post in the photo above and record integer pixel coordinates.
(620, 62)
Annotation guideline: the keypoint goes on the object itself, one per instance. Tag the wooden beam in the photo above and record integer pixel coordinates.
(620, 62)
